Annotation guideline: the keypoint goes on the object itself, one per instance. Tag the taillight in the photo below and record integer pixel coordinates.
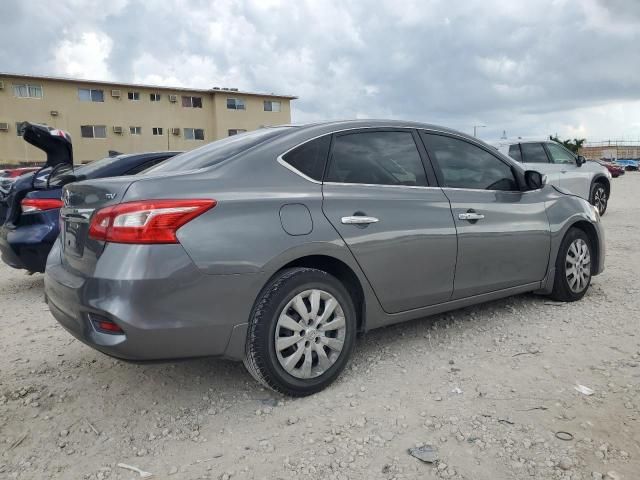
(40, 204)
(148, 221)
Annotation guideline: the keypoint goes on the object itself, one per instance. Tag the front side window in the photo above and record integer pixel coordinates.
(235, 104)
(534, 153)
(379, 158)
(155, 97)
(135, 130)
(235, 131)
(191, 102)
(20, 128)
(271, 106)
(194, 134)
(464, 165)
(27, 91)
(157, 130)
(560, 155)
(93, 131)
(309, 158)
(90, 95)
(515, 153)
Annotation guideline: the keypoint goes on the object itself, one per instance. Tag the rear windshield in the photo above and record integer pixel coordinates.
(216, 152)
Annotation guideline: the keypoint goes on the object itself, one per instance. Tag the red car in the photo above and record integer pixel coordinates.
(16, 172)
(614, 170)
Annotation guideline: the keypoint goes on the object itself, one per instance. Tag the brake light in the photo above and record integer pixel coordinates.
(148, 221)
(40, 204)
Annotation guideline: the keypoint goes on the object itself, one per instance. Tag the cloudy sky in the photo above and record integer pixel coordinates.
(570, 67)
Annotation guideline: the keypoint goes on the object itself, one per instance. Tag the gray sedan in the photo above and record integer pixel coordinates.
(277, 247)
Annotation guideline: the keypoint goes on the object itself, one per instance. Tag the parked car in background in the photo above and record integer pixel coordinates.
(7, 177)
(627, 164)
(563, 168)
(614, 170)
(56, 144)
(278, 246)
(33, 225)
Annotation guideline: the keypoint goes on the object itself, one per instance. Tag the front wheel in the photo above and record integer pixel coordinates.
(301, 333)
(573, 267)
(599, 197)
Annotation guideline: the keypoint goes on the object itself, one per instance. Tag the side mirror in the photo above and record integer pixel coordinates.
(534, 180)
(580, 160)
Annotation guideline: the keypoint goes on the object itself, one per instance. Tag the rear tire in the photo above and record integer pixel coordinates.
(599, 197)
(573, 267)
(301, 332)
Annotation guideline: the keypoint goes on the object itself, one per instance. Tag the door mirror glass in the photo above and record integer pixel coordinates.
(535, 180)
(580, 160)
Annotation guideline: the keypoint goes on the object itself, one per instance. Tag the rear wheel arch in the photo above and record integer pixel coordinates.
(341, 271)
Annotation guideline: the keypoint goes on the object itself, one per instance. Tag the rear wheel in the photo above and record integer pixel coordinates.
(599, 197)
(301, 333)
(573, 267)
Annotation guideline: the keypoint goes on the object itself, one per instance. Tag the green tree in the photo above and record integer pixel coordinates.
(573, 145)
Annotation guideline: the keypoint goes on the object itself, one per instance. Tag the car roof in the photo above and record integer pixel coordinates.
(513, 141)
(369, 123)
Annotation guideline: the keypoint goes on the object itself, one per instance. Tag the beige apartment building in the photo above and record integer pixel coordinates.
(102, 116)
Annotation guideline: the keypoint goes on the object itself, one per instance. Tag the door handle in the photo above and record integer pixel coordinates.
(470, 216)
(359, 220)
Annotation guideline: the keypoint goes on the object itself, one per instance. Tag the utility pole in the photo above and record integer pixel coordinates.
(475, 129)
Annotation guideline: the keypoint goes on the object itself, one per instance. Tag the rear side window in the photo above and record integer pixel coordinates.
(310, 157)
(514, 152)
(379, 158)
(218, 151)
(464, 165)
(533, 153)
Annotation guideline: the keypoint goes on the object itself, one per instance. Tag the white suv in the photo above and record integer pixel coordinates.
(589, 180)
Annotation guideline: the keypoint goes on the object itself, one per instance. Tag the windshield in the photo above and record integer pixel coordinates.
(216, 152)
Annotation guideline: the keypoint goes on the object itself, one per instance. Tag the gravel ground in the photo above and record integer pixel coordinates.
(488, 387)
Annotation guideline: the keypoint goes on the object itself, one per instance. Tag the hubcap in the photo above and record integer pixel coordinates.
(310, 334)
(600, 199)
(578, 265)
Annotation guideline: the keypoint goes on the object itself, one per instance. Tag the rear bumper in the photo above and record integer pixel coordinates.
(27, 247)
(166, 307)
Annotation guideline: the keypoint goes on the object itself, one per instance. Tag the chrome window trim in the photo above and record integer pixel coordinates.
(335, 184)
(519, 192)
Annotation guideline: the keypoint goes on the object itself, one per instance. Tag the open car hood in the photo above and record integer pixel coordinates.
(55, 143)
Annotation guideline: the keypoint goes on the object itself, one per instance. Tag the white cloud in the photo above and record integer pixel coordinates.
(84, 56)
(533, 68)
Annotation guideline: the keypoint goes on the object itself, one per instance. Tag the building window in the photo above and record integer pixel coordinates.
(135, 130)
(157, 130)
(93, 131)
(154, 97)
(133, 96)
(192, 102)
(194, 134)
(90, 95)
(271, 106)
(235, 104)
(236, 131)
(27, 91)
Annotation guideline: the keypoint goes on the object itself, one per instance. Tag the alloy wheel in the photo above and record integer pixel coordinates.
(600, 199)
(578, 265)
(310, 334)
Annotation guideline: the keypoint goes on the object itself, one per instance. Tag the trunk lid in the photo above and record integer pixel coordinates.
(79, 253)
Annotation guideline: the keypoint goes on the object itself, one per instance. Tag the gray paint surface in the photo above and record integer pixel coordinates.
(195, 298)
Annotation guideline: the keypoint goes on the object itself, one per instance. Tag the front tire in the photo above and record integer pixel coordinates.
(573, 267)
(599, 197)
(301, 332)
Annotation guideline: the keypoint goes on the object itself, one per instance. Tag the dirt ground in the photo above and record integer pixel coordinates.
(488, 387)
